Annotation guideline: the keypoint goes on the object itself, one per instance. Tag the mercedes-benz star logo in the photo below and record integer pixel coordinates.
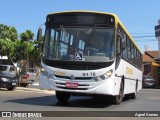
(72, 77)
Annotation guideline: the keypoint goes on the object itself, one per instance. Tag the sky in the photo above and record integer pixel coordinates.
(138, 16)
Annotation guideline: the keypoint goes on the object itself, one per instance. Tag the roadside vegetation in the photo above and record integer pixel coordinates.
(24, 47)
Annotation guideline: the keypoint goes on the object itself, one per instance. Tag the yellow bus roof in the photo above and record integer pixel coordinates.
(115, 16)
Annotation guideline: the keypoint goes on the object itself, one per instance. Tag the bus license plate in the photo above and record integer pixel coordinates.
(71, 85)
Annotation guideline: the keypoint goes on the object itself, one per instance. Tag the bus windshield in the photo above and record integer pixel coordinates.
(87, 44)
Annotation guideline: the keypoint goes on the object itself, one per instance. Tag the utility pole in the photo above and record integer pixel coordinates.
(157, 35)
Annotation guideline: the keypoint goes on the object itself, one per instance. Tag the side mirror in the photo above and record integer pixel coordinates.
(39, 34)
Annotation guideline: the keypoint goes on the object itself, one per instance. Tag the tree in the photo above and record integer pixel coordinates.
(27, 36)
(27, 45)
(31, 49)
(7, 48)
(24, 49)
(13, 48)
(8, 32)
(38, 45)
(8, 35)
(19, 50)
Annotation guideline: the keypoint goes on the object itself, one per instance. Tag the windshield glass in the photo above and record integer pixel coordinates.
(79, 44)
(3, 68)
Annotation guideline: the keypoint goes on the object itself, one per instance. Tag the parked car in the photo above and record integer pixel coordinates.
(7, 82)
(148, 81)
(9, 70)
(29, 78)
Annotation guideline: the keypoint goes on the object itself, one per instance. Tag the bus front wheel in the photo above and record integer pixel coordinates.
(118, 98)
(62, 96)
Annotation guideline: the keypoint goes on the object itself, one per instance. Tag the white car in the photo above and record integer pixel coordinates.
(9, 70)
(29, 78)
(32, 75)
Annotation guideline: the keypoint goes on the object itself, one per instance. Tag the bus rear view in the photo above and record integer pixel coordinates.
(79, 55)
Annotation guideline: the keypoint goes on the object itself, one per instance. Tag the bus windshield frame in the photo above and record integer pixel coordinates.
(79, 43)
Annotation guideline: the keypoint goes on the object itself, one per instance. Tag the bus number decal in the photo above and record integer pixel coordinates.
(92, 74)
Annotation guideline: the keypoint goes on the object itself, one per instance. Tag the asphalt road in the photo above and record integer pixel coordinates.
(28, 99)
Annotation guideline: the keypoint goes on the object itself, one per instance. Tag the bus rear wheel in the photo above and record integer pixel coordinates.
(63, 97)
(118, 98)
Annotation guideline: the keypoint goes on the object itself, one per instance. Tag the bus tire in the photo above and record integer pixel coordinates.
(133, 95)
(63, 97)
(118, 98)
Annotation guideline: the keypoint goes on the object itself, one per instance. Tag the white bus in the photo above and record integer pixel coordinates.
(89, 53)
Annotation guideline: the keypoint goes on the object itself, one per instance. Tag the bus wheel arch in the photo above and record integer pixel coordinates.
(117, 99)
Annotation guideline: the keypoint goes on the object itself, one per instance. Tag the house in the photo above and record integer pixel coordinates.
(151, 65)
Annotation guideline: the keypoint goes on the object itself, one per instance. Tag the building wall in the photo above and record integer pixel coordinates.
(155, 74)
(149, 69)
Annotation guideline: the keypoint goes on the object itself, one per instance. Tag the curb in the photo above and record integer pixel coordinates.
(35, 90)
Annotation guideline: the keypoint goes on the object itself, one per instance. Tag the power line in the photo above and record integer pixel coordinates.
(144, 33)
(147, 41)
(143, 36)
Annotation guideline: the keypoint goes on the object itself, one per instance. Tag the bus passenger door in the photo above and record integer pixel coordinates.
(118, 50)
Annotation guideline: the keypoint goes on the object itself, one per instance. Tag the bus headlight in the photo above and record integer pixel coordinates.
(105, 76)
(108, 74)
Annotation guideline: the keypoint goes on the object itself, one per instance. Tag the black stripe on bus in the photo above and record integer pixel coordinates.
(128, 78)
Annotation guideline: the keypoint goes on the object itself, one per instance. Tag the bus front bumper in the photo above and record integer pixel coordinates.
(104, 87)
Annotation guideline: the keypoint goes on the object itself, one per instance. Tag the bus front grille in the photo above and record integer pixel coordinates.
(76, 78)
